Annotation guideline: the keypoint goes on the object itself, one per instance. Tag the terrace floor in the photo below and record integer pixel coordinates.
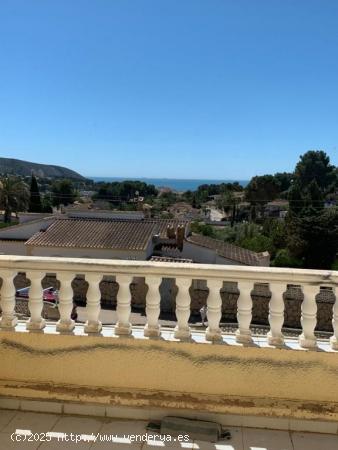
(123, 432)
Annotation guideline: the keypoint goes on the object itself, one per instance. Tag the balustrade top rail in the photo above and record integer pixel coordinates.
(164, 269)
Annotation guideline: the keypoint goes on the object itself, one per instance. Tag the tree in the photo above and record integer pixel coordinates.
(314, 238)
(276, 230)
(315, 165)
(63, 193)
(228, 202)
(260, 191)
(296, 200)
(14, 196)
(34, 199)
(284, 180)
(315, 199)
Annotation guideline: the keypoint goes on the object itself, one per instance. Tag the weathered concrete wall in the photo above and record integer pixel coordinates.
(158, 373)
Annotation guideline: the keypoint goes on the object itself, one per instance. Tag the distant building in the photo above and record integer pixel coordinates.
(276, 208)
(85, 237)
(183, 210)
(203, 249)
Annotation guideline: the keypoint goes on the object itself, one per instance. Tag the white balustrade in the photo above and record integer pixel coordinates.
(65, 324)
(214, 310)
(244, 312)
(7, 302)
(276, 314)
(153, 273)
(182, 329)
(123, 309)
(153, 300)
(308, 318)
(93, 308)
(334, 338)
(35, 303)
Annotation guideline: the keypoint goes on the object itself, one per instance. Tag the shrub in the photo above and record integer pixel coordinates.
(284, 259)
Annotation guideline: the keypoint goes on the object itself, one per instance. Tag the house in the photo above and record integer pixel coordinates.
(183, 210)
(276, 208)
(101, 238)
(203, 249)
(85, 237)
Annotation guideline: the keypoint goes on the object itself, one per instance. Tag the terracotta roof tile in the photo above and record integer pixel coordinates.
(228, 251)
(101, 233)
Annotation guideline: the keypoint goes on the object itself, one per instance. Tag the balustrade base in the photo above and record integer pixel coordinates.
(8, 322)
(30, 325)
(182, 334)
(92, 327)
(65, 326)
(123, 330)
(152, 331)
(243, 337)
(214, 336)
(307, 342)
(334, 343)
(275, 340)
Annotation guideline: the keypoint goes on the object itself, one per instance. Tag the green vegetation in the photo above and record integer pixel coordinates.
(14, 195)
(121, 192)
(63, 193)
(35, 204)
(307, 237)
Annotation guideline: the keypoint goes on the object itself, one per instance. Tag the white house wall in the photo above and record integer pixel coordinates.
(13, 248)
(204, 255)
(86, 253)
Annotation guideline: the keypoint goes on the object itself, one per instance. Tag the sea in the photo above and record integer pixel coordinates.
(175, 184)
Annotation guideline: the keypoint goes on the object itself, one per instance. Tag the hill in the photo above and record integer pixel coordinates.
(25, 168)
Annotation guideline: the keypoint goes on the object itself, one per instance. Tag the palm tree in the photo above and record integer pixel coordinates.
(14, 196)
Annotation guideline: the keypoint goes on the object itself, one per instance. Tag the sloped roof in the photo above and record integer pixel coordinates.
(101, 233)
(228, 251)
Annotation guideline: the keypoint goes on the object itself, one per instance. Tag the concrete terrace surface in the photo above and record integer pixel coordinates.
(121, 432)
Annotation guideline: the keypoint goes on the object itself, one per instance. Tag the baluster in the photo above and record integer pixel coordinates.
(153, 300)
(276, 314)
(244, 312)
(123, 309)
(308, 319)
(334, 338)
(93, 308)
(35, 303)
(8, 319)
(182, 329)
(65, 302)
(214, 311)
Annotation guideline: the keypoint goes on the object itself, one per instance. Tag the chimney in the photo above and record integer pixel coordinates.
(180, 232)
(171, 232)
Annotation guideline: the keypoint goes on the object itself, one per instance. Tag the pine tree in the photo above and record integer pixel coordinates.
(35, 199)
(315, 196)
(296, 200)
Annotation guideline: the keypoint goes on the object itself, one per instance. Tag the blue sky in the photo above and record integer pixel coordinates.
(168, 88)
